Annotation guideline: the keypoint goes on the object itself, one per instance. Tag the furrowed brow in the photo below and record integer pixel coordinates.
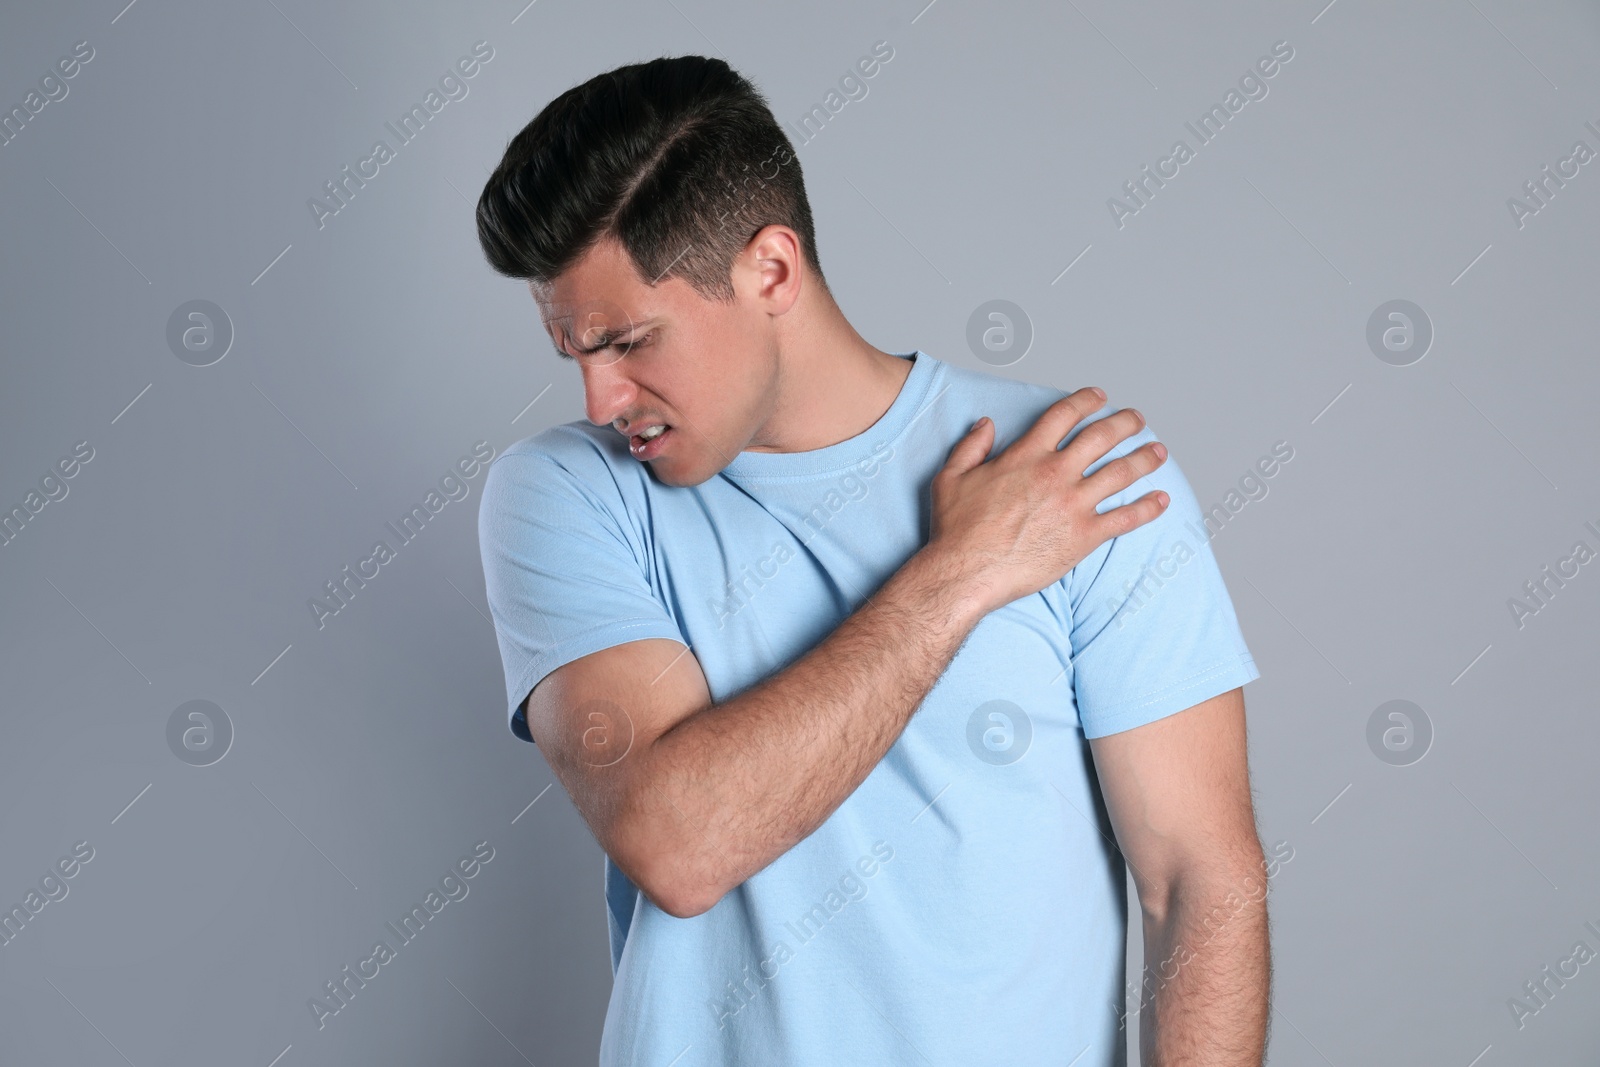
(606, 341)
(565, 341)
(608, 338)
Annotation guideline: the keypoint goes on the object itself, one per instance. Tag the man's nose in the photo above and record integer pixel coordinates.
(607, 393)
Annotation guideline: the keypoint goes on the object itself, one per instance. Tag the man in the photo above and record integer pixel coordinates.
(854, 709)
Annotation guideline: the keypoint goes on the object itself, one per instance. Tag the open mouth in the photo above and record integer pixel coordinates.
(648, 445)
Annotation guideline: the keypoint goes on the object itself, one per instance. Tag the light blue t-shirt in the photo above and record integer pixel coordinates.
(965, 904)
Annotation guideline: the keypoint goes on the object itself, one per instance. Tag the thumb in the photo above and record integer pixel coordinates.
(972, 449)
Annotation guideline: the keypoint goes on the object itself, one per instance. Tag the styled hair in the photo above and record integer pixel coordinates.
(679, 159)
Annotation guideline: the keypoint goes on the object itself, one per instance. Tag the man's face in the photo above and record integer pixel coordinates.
(704, 369)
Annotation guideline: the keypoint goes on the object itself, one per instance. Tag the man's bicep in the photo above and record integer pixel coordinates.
(563, 574)
(1177, 791)
(597, 709)
(596, 719)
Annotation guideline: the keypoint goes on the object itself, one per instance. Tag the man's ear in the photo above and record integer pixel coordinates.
(773, 267)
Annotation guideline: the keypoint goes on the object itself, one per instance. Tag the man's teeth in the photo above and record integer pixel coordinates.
(653, 431)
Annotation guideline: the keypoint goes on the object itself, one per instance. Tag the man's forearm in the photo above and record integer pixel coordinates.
(733, 787)
(1207, 965)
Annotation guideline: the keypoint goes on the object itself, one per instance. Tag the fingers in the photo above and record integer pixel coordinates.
(972, 449)
(1059, 418)
(1121, 520)
(1123, 471)
(1100, 437)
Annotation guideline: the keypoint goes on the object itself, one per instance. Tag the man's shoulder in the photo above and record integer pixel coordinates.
(997, 385)
(578, 448)
(567, 458)
(563, 442)
(1013, 403)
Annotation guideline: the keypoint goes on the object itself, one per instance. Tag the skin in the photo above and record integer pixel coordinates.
(778, 370)
(1178, 794)
(710, 794)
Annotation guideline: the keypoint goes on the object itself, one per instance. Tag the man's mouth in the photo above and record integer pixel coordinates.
(649, 443)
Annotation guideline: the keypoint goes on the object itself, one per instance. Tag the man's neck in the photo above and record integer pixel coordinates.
(829, 391)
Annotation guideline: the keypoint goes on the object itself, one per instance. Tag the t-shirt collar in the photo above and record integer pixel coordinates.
(838, 457)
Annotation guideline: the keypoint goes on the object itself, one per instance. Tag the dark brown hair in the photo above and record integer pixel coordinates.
(679, 159)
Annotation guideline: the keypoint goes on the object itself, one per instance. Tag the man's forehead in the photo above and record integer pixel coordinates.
(603, 271)
(575, 304)
(578, 314)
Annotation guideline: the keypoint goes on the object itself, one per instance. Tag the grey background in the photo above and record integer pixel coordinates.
(369, 355)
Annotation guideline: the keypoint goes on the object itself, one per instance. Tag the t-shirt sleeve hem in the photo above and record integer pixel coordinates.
(576, 647)
(1175, 698)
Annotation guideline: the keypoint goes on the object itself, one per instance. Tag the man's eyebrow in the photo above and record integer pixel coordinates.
(608, 338)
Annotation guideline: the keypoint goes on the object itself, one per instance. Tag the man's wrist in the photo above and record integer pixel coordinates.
(947, 590)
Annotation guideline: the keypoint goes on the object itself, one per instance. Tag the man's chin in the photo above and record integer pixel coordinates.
(671, 474)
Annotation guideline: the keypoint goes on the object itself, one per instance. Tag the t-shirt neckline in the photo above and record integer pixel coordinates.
(842, 455)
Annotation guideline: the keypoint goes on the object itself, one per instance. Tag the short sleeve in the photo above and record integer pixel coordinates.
(563, 578)
(1153, 627)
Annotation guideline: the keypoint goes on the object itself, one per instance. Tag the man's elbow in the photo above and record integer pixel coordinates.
(679, 897)
(686, 905)
(661, 872)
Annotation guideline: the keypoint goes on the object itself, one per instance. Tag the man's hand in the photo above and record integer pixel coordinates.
(691, 798)
(1012, 525)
